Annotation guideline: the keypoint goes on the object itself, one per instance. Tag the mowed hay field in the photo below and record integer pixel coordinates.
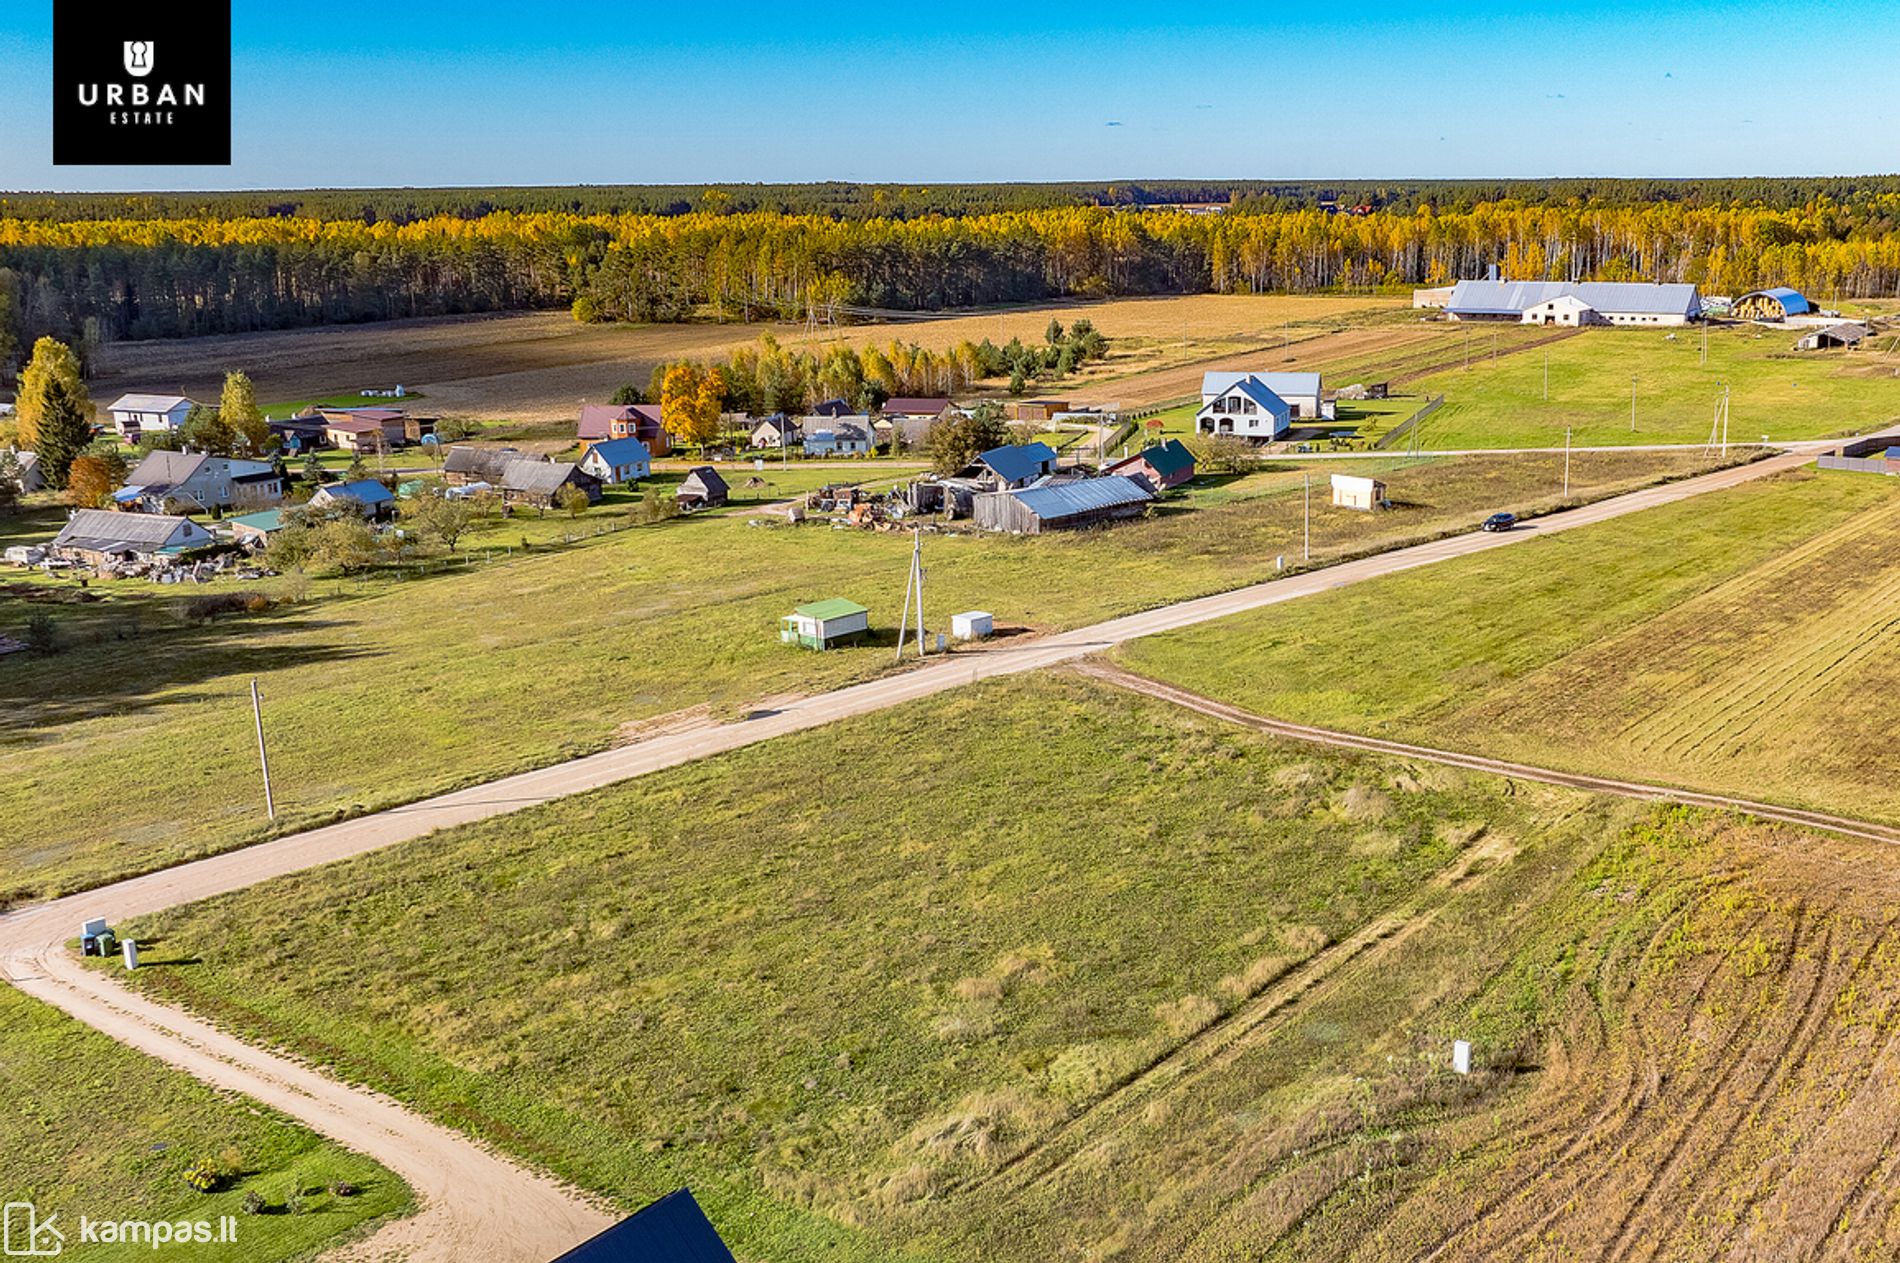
(133, 748)
(1047, 971)
(93, 1128)
(539, 367)
(1743, 643)
(1774, 390)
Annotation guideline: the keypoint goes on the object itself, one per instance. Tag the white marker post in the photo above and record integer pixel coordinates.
(131, 954)
(1461, 1056)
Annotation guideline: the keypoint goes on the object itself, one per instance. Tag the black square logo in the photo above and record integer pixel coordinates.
(141, 84)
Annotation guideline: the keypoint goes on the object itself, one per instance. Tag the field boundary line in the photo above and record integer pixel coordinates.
(1848, 826)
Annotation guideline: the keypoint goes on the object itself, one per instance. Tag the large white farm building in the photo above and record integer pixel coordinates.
(1575, 303)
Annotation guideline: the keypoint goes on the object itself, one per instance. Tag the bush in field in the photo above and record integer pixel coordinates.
(254, 1203)
(205, 1176)
(572, 501)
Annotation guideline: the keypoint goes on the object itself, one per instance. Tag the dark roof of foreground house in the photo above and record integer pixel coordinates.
(671, 1230)
(101, 530)
(538, 477)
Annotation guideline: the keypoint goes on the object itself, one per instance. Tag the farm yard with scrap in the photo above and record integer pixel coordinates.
(1382, 768)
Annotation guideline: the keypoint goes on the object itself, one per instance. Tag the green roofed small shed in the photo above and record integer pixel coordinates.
(819, 624)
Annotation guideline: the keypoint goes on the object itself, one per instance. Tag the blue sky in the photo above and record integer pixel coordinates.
(354, 92)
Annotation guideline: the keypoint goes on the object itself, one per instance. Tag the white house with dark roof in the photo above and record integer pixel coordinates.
(133, 415)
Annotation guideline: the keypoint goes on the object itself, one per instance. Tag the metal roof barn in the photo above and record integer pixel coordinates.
(1061, 505)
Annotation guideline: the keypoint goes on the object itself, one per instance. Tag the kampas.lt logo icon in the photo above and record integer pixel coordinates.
(138, 57)
(27, 1236)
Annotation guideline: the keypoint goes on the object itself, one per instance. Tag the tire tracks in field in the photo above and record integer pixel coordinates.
(1227, 1038)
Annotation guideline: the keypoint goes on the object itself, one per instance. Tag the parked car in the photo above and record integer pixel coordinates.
(1500, 522)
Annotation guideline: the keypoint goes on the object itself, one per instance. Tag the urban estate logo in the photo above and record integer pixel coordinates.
(117, 102)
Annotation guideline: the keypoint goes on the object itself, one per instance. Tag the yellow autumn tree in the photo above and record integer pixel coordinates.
(53, 362)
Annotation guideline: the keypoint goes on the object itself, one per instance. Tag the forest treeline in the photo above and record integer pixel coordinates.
(97, 280)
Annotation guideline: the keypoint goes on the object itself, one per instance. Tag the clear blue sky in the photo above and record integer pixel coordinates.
(379, 92)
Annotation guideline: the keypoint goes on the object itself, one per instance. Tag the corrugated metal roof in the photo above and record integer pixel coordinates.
(1507, 298)
(168, 468)
(671, 1230)
(836, 607)
(148, 403)
(92, 527)
(1793, 301)
(1019, 462)
(268, 520)
(536, 476)
(1279, 383)
(627, 451)
(1058, 500)
(363, 491)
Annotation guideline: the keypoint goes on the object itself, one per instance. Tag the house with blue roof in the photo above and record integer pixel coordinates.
(1017, 465)
(372, 498)
(617, 461)
(1245, 408)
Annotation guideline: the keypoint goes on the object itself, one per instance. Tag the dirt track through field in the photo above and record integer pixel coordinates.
(463, 1209)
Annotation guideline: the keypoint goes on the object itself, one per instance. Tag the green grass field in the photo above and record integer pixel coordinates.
(1774, 391)
(1046, 971)
(834, 982)
(94, 1128)
(1741, 643)
(133, 748)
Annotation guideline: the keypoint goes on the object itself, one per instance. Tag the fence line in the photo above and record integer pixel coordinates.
(1405, 427)
(1860, 464)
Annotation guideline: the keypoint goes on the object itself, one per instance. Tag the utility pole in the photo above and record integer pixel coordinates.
(1566, 462)
(1306, 549)
(914, 583)
(1725, 422)
(257, 716)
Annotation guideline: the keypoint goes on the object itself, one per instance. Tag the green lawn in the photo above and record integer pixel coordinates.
(296, 407)
(835, 981)
(379, 691)
(1774, 391)
(1739, 643)
(93, 1128)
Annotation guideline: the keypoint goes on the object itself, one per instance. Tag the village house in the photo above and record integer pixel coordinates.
(839, 438)
(625, 421)
(133, 415)
(1061, 505)
(362, 430)
(1164, 466)
(900, 433)
(1303, 393)
(833, 408)
(100, 537)
(1246, 408)
(464, 466)
(776, 432)
(617, 461)
(1016, 465)
(915, 408)
(702, 488)
(27, 477)
(540, 482)
(305, 433)
(371, 498)
(195, 483)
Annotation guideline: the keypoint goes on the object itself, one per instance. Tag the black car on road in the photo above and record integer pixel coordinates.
(1500, 522)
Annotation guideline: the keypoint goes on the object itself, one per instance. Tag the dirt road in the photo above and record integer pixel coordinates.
(463, 1207)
